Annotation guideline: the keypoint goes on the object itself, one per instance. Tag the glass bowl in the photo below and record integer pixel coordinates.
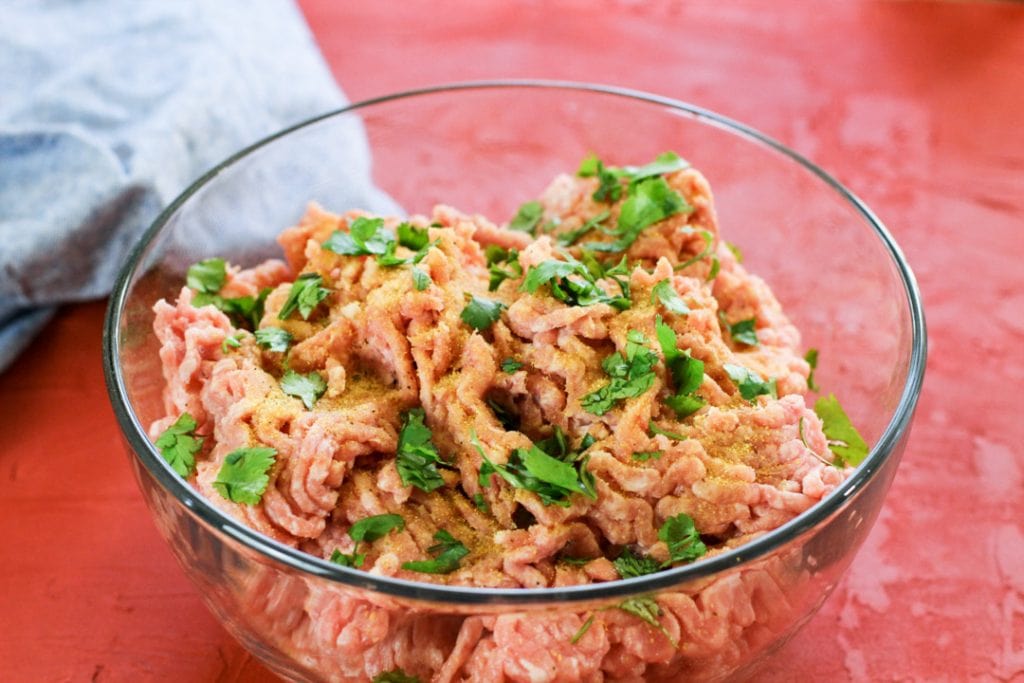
(486, 147)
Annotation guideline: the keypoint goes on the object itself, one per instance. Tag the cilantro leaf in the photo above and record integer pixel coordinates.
(230, 342)
(417, 457)
(709, 246)
(368, 529)
(420, 279)
(352, 559)
(631, 375)
(812, 359)
(682, 539)
(306, 293)
(844, 440)
(365, 237)
(750, 383)
(644, 456)
(735, 251)
(629, 564)
(687, 372)
(243, 475)
(510, 365)
(274, 339)
(609, 188)
(655, 429)
(481, 313)
(669, 297)
(447, 552)
(178, 445)
(744, 332)
(650, 201)
(395, 676)
(716, 266)
(579, 291)
(527, 217)
(666, 162)
(309, 387)
(411, 237)
(648, 610)
(569, 238)
(552, 479)
(583, 629)
(207, 276)
(495, 257)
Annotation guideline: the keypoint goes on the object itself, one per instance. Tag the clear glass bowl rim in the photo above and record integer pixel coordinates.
(210, 516)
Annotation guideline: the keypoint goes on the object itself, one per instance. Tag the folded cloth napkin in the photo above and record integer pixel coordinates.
(110, 108)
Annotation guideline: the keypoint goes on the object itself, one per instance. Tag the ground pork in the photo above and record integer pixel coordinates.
(387, 339)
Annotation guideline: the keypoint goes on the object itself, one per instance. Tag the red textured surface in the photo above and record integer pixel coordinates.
(915, 105)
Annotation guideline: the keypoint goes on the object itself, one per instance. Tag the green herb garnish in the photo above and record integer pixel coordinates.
(553, 479)
(669, 298)
(650, 201)
(510, 365)
(243, 476)
(527, 217)
(230, 342)
(569, 238)
(306, 293)
(648, 610)
(687, 372)
(709, 245)
(365, 237)
(750, 383)
(411, 237)
(574, 282)
(644, 456)
(420, 279)
(481, 313)
(309, 387)
(629, 564)
(744, 331)
(498, 274)
(655, 429)
(274, 339)
(631, 375)
(417, 456)
(395, 676)
(844, 440)
(447, 553)
(812, 359)
(735, 251)
(207, 276)
(682, 539)
(368, 529)
(179, 444)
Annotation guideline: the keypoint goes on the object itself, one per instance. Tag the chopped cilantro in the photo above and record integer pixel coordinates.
(179, 444)
(648, 610)
(480, 502)
(495, 257)
(368, 529)
(749, 382)
(553, 479)
(669, 298)
(709, 245)
(744, 332)
(243, 476)
(609, 187)
(666, 162)
(395, 676)
(207, 276)
(306, 293)
(583, 629)
(420, 279)
(447, 552)
(230, 342)
(274, 339)
(629, 564)
(309, 387)
(631, 375)
(687, 372)
(365, 237)
(655, 429)
(527, 217)
(644, 456)
(569, 238)
(735, 251)
(575, 561)
(582, 290)
(411, 237)
(417, 457)
(844, 440)
(481, 313)
(510, 365)
(682, 539)
(812, 359)
(716, 266)
(650, 201)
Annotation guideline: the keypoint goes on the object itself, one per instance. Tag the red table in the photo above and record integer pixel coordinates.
(917, 106)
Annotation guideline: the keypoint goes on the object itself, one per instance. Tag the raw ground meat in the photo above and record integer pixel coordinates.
(384, 348)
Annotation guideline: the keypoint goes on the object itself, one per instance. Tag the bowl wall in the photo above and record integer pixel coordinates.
(486, 150)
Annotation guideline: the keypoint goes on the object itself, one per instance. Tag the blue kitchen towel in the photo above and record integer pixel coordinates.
(109, 109)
